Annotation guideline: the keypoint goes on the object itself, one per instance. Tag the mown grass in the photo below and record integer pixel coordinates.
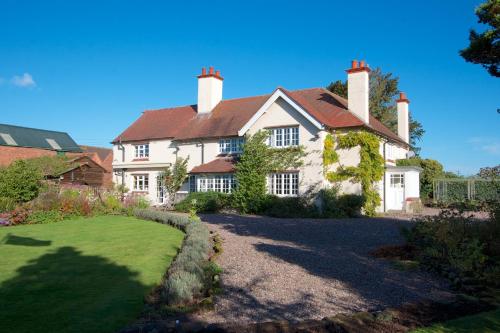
(487, 322)
(85, 275)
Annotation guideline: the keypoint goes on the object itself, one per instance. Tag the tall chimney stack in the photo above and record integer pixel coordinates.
(403, 117)
(358, 90)
(209, 90)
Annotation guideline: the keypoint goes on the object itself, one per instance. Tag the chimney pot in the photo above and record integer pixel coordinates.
(203, 71)
(402, 95)
(211, 70)
(217, 73)
(354, 64)
(362, 64)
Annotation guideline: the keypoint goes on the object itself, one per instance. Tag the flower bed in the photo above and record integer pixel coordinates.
(191, 276)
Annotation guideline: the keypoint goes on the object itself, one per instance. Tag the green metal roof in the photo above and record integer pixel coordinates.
(17, 136)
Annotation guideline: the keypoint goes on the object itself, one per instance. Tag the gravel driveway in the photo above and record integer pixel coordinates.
(296, 269)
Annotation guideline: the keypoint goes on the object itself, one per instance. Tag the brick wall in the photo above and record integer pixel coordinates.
(10, 154)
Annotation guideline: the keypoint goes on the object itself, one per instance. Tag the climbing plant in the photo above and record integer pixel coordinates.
(255, 163)
(369, 170)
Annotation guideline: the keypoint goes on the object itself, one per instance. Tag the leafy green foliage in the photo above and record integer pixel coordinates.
(44, 217)
(383, 93)
(432, 170)
(456, 245)
(20, 181)
(369, 170)
(489, 172)
(338, 206)
(329, 205)
(484, 48)
(50, 165)
(172, 178)
(7, 204)
(255, 163)
(205, 202)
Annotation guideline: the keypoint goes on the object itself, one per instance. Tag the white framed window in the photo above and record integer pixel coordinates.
(231, 145)
(397, 180)
(284, 184)
(141, 182)
(224, 183)
(141, 151)
(390, 152)
(284, 137)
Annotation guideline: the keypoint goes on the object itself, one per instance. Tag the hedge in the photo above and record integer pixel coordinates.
(185, 279)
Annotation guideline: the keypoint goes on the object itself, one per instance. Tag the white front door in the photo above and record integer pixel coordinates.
(396, 193)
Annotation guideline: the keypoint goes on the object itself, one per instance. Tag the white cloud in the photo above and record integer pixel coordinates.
(24, 81)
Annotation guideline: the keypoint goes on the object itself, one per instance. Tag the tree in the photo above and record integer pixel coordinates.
(383, 92)
(172, 178)
(489, 172)
(484, 48)
(255, 163)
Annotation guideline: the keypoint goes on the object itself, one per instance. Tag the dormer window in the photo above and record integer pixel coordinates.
(281, 137)
(141, 151)
(231, 145)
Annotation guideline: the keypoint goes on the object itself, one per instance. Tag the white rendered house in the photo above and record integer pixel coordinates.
(211, 133)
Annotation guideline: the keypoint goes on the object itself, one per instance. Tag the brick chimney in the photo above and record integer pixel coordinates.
(403, 117)
(209, 90)
(358, 90)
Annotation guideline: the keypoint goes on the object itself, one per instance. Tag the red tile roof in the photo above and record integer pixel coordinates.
(229, 116)
(219, 165)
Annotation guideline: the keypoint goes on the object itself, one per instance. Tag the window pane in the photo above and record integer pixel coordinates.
(192, 183)
(279, 184)
(279, 137)
(286, 184)
(295, 136)
(287, 137)
(295, 183)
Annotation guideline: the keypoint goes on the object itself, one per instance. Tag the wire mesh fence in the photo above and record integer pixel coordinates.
(458, 190)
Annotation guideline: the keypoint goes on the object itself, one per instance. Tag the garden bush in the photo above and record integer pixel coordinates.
(330, 205)
(186, 277)
(204, 202)
(290, 207)
(458, 246)
(334, 205)
(20, 181)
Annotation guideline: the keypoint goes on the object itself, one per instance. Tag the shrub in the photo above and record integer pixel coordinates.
(454, 243)
(7, 204)
(289, 207)
(132, 202)
(205, 202)
(43, 217)
(20, 181)
(330, 205)
(186, 276)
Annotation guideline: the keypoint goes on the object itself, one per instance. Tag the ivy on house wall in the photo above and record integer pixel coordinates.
(369, 170)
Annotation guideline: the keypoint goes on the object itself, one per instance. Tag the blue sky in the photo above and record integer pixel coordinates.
(91, 67)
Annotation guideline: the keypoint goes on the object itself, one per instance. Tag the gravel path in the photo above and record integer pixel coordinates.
(294, 269)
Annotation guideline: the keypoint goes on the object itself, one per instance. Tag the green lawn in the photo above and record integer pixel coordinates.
(84, 275)
(487, 322)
